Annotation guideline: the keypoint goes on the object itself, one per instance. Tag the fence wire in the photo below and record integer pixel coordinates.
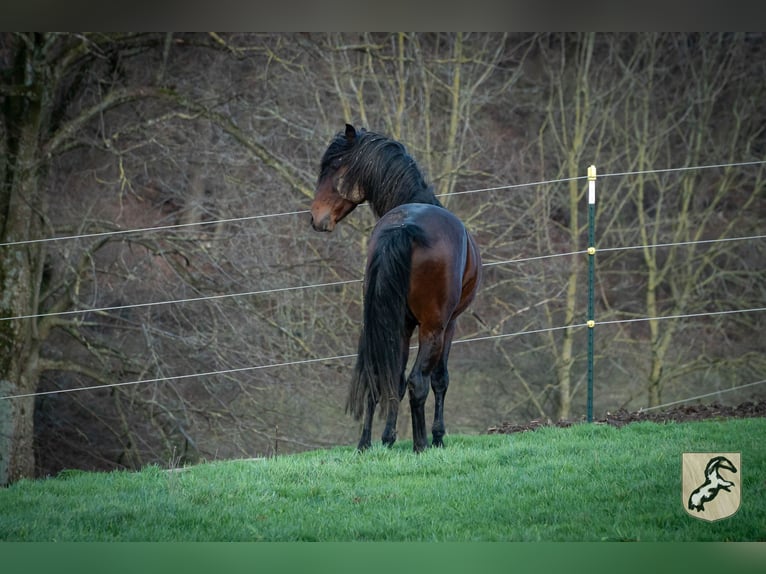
(348, 281)
(269, 366)
(353, 355)
(715, 393)
(306, 211)
(336, 283)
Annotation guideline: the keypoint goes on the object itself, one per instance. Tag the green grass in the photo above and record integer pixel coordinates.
(583, 483)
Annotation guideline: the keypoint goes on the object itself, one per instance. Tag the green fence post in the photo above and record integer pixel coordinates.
(591, 275)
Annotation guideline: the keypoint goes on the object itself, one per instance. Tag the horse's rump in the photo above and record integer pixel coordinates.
(379, 361)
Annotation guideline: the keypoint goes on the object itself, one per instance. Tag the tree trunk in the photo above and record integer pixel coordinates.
(20, 270)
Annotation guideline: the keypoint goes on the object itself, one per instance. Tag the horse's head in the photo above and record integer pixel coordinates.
(334, 196)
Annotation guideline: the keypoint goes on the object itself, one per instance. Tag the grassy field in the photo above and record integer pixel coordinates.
(583, 483)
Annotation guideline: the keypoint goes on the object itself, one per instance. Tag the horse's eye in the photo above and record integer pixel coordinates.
(336, 163)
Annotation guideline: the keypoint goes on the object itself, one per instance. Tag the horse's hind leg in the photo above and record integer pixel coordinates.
(429, 355)
(439, 384)
(366, 440)
(389, 433)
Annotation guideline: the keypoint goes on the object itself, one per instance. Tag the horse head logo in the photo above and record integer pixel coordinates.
(709, 494)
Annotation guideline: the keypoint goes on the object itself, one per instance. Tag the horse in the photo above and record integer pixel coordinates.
(423, 270)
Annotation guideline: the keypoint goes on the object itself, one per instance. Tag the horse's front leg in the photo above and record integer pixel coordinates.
(439, 384)
(366, 440)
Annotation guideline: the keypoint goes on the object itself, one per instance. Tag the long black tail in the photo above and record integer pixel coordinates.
(379, 363)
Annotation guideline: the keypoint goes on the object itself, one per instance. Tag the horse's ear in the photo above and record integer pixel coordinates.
(350, 133)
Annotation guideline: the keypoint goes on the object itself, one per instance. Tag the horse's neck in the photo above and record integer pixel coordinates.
(426, 195)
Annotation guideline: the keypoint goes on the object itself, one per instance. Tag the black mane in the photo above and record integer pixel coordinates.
(381, 167)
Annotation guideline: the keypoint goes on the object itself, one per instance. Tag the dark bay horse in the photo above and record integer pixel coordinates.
(423, 270)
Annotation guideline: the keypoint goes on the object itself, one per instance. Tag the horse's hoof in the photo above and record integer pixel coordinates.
(388, 439)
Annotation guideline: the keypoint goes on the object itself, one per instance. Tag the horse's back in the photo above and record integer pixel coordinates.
(445, 271)
(440, 224)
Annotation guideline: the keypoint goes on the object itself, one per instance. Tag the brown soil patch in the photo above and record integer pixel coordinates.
(620, 418)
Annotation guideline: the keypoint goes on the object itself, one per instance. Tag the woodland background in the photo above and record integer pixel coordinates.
(106, 132)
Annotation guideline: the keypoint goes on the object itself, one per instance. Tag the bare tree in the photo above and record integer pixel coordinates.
(113, 97)
(43, 72)
(686, 100)
(632, 103)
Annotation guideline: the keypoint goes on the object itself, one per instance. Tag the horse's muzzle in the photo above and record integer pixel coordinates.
(324, 224)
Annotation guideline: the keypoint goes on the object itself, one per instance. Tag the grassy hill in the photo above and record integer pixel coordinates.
(583, 483)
